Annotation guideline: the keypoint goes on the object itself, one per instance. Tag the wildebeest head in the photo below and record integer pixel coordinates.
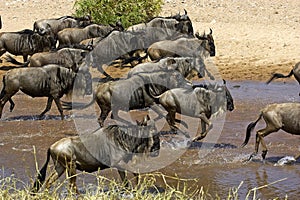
(118, 27)
(185, 24)
(42, 28)
(185, 27)
(222, 96)
(208, 42)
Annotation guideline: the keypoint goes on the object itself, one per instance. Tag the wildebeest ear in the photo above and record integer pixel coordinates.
(171, 61)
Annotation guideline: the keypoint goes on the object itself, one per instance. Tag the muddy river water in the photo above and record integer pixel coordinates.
(217, 161)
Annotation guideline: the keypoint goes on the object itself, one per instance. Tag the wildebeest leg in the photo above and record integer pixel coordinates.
(171, 120)
(105, 108)
(3, 99)
(259, 139)
(204, 121)
(123, 177)
(12, 105)
(59, 107)
(72, 176)
(103, 115)
(48, 107)
(59, 170)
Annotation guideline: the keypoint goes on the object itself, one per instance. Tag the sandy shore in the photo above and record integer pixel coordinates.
(253, 38)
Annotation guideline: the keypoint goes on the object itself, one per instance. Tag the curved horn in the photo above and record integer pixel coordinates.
(185, 12)
(210, 31)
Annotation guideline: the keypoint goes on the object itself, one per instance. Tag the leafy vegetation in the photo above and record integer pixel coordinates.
(129, 12)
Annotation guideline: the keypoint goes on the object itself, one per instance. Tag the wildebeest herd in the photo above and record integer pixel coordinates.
(164, 54)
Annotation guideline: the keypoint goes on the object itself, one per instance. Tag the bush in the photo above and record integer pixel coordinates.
(129, 12)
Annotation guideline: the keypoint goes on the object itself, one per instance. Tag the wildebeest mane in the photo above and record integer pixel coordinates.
(26, 31)
(129, 138)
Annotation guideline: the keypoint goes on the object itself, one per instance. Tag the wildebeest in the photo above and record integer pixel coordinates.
(53, 26)
(295, 71)
(200, 46)
(52, 81)
(277, 116)
(131, 93)
(185, 65)
(25, 43)
(66, 57)
(117, 44)
(70, 36)
(198, 102)
(102, 149)
(181, 23)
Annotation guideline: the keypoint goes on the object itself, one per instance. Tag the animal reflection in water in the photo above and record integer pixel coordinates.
(104, 148)
(283, 116)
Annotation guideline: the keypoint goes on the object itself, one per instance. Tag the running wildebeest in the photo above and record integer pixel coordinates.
(131, 93)
(66, 57)
(102, 149)
(277, 116)
(25, 43)
(71, 36)
(118, 44)
(52, 81)
(295, 71)
(185, 65)
(53, 26)
(178, 22)
(201, 46)
(198, 102)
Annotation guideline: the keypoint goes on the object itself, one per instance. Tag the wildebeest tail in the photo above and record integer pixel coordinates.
(76, 105)
(41, 175)
(277, 75)
(10, 59)
(250, 127)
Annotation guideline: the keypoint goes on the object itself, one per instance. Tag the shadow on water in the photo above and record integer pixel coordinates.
(34, 118)
(198, 145)
(47, 117)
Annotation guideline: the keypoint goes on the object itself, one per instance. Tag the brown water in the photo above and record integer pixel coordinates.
(217, 165)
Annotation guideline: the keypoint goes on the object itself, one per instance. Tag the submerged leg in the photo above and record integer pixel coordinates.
(59, 170)
(72, 176)
(123, 177)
